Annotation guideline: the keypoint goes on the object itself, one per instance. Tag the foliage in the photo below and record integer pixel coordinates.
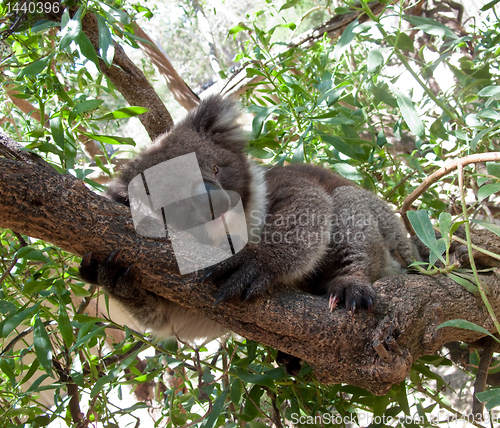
(346, 105)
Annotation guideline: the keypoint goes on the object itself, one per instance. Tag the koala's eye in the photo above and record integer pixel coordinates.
(215, 170)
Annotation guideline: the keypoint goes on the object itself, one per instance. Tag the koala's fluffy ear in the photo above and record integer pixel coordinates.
(217, 119)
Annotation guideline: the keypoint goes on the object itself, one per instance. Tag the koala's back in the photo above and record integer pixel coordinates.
(367, 241)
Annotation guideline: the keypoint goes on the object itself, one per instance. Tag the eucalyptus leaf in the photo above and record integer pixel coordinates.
(487, 190)
(345, 40)
(422, 225)
(467, 325)
(43, 347)
(492, 227)
(410, 115)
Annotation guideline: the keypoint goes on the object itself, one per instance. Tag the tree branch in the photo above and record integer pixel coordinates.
(61, 210)
(441, 172)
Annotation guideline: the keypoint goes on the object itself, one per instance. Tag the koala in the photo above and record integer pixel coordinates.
(306, 227)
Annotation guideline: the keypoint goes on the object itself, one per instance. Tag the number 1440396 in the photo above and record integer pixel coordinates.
(33, 7)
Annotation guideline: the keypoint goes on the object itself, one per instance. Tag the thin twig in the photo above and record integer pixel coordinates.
(441, 172)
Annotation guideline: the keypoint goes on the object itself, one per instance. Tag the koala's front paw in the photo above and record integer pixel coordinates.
(117, 280)
(351, 291)
(241, 276)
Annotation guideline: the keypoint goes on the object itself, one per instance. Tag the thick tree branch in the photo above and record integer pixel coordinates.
(374, 351)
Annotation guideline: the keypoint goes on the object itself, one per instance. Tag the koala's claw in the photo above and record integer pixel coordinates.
(114, 256)
(129, 273)
(86, 259)
(352, 292)
(333, 302)
(207, 277)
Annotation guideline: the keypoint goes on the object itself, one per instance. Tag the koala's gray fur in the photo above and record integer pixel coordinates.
(307, 227)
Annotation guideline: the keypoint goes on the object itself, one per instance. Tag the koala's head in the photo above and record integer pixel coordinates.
(213, 133)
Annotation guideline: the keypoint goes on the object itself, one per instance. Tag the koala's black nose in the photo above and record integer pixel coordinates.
(210, 187)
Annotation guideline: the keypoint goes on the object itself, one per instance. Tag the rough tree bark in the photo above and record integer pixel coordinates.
(373, 351)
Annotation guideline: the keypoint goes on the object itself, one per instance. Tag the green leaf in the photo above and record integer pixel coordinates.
(34, 386)
(489, 91)
(345, 40)
(236, 391)
(98, 386)
(17, 319)
(491, 398)
(402, 397)
(43, 347)
(78, 290)
(216, 410)
(464, 282)
(405, 43)
(495, 228)
(44, 24)
(124, 113)
(259, 153)
(238, 28)
(35, 68)
(409, 112)
(445, 226)
(489, 114)
(250, 411)
(77, 371)
(353, 151)
(113, 14)
(382, 94)
(489, 5)
(32, 370)
(106, 46)
(375, 60)
(98, 331)
(7, 307)
(30, 253)
(70, 28)
(298, 153)
(257, 379)
(87, 48)
(35, 286)
(289, 4)
(65, 326)
(347, 171)
(56, 128)
(334, 118)
(493, 168)
(259, 119)
(423, 228)
(111, 139)
(430, 26)
(467, 325)
(87, 105)
(487, 190)
(7, 370)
